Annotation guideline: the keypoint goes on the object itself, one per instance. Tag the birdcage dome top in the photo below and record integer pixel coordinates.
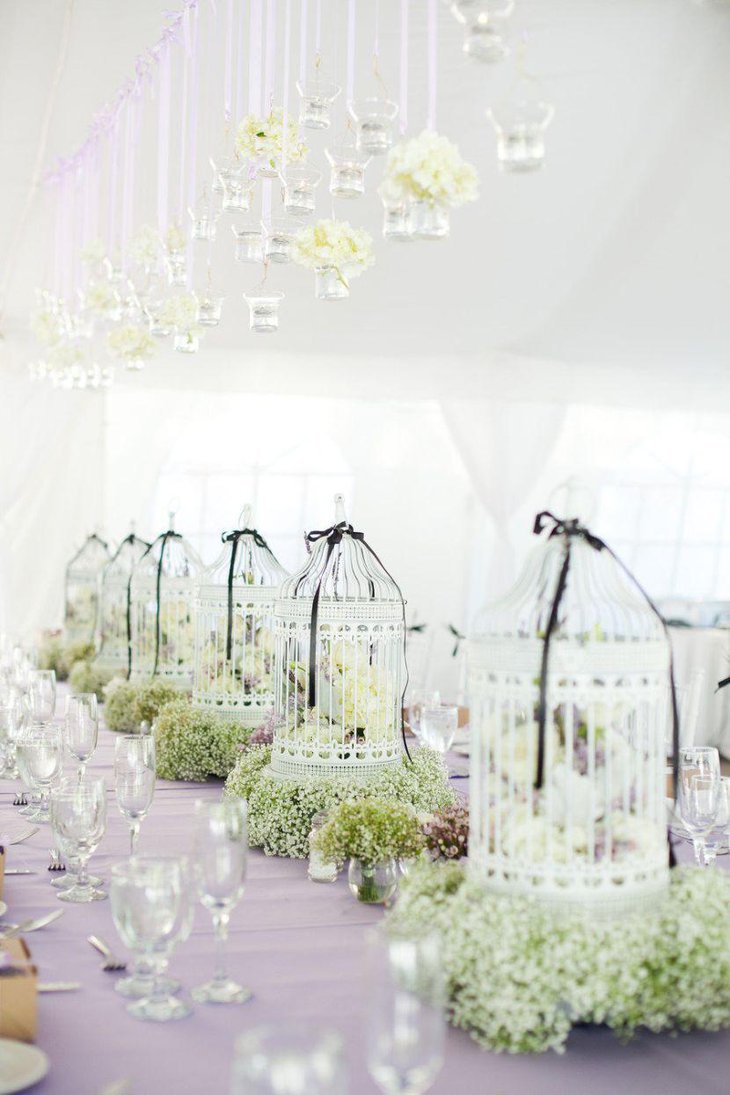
(171, 556)
(342, 567)
(90, 558)
(599, 601)
(254, 563)
(126, 557)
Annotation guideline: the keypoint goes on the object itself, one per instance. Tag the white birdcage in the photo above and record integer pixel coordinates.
(340, 660)
(113, 621)
(161, 595)
(568, 690)
(82, 588)
(234, 621)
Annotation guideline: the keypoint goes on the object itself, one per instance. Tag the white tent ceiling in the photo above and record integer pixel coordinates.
(615, 256)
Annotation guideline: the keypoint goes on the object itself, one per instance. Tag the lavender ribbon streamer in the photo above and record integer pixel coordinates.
(163, 138)
(270, 50)
(113, 159)
(241, 56)
(287, 58)
(303, 41)
(183, 127)
(228, 69)
(254, 57)
(318, 30)
(193, 137)
(350, 50)
(403, 66)
(432, 63)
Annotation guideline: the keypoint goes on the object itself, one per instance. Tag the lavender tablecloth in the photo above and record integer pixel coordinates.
(299, 946)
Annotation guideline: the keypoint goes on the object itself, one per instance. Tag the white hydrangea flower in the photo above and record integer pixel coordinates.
(262, 138)
(430, 168)
(144, 248)
(180, 310)
(130, 341)
(334, 243)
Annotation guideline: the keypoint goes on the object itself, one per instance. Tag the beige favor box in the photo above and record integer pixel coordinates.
(18, 994)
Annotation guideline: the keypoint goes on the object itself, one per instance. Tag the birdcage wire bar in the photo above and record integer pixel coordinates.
(83, 575)
(113, 621)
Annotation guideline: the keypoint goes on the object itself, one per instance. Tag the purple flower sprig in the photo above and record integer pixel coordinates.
(447, 832)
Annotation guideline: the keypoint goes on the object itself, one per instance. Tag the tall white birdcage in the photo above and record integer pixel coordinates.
(340, 660)
(234, 627)
(114, 616)
(568, 679)
(161, 595)
(83, 575)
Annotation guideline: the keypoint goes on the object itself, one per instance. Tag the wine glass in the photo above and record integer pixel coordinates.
(298, 1058)
(82, 728)
(419, 700)
(151, 911)
(78, 816)
(220, 857)
(716, 840)
(438, 726)
(39, 756)
(13, 719)
(700, 806)
(406, 994)
(42, 694)
(696, 760)
(134, 776)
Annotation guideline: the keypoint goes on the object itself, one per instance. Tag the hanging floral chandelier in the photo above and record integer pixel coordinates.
(211, 145)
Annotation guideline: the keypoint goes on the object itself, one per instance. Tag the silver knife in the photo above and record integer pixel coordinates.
(58, 986)
(19, 870)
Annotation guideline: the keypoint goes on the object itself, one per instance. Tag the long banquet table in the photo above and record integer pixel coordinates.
(299, 946)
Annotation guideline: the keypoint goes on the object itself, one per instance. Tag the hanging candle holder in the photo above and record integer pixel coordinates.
(300, 182)
(428, 220)
(234, 640)
(374, 124)
(279, 240)
(237, 191)
(176, 268)
(263, 307)
(317, 97)
(347, 175)
(134, 364)
(161, 596)
(186, 341)
(210, 308)
(485, 22)
(204, 216)
(330, 283)
(249, 243)
(396, 218)
(520, 125)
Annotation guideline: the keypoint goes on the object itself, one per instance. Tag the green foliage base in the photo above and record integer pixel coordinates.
(280, 811)
(520, 975)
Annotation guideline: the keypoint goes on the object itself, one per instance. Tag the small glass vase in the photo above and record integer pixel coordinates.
(210, 309)
(396, 216)
(320, 869)
(249, 244)
(373, 884)
(279, 240)
(428, 220)
(374, 121)
(176, 271)
(236, 194)
(347, 177)
(316, 97)
(330, 284)
(520, 127)
(186, 342)
(300, 183)
(263, 311)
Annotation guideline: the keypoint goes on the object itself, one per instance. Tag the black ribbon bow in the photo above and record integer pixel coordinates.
(458, 636)
(334, 536)
(416, 629)
(233, 538)
(570, 529)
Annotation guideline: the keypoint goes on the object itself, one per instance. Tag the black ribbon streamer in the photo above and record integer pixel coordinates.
(571, 529)
(89, 540)
(163, 541)
(334, 536)
(723, 683)
(131, 539)
(233, 539)
(417, 629)
(458, 636)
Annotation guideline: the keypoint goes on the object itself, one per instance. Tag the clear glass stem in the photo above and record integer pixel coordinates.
(698, 843)
(82, 771)
(134, 827)
(157, 963)
(82, 874)
(220, 925)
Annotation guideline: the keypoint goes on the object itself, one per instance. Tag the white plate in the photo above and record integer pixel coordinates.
(21, 1066)
(3, 908)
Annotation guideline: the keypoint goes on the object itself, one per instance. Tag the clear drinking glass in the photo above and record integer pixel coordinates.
(291, 1058)
(220, 848)
(151, 911)
(700, 807)
(438, 726)
(406, 994)
(78, 817)
(42, 694)
(716, 840)
(39, 757)
(134, 777)
(696, 760)
(417, 702)
(82, 728)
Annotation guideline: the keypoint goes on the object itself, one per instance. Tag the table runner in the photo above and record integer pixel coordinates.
(299, 946)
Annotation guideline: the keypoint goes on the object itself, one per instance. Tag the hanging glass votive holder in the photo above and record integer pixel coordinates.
(396, 216)
(263, 310)
(210, 309)
(249, 243)
(156, 325)
(279, 240)
(428, 220)
(300, 182)
(205, 218)
(330, 284)
(176, 268)
(485, 22)
(237, 191)
(186, 342)
(134, 364)
(374, 120)
(317, 96)
(347, 177)
(520, 129)
(114, 271)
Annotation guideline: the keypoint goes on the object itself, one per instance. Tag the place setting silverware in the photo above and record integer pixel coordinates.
(58, 986)
(19, 870)
(56, 862)
(20, 799)
(111, 963)
(10, 931)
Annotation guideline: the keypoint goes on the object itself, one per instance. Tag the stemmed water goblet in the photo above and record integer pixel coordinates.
(406, 994)
(700, 807)
(296, 1058)
(82, 728)
(417, 702)
(716, 840)
(42, 695)
(220, 846)
(78, 817)
(134, 776)
(702, 761)
(151, 911)
(438, 726)
(39, 757)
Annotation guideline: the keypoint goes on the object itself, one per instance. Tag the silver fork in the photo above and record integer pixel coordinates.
(56, 863)
(111, 963)
(21, 799)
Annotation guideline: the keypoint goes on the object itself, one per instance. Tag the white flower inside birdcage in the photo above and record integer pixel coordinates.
(112, 628)
(340, 660)
(161, 596)
(83, 574)
(234, 620)
(568, 731)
